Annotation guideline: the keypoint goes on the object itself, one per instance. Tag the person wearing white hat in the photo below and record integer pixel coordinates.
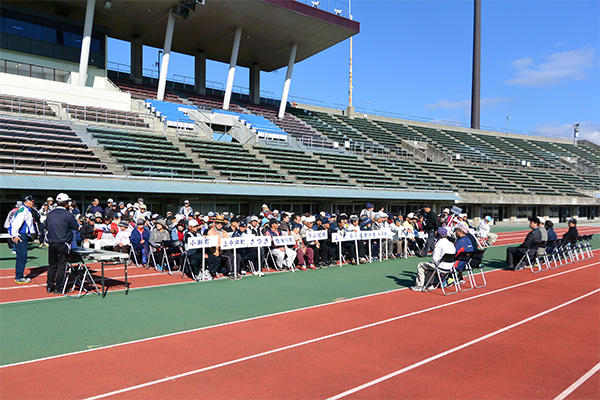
(59, 226)
(484, 231)
(186, 209)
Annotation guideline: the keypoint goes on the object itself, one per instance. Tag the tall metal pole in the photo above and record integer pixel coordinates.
(86, 42)
(476, 87)
(350, 89)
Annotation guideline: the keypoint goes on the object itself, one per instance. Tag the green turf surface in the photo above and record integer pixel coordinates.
(57, 325)
(37, 257)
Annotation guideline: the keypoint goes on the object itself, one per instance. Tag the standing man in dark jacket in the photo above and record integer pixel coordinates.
(534, 236)
(430, 225)
(59, 225)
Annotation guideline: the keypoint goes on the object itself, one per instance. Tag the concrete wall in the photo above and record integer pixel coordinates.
(59, 92)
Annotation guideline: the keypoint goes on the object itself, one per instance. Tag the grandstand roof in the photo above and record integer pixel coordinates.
(269, 27)
(59, 184)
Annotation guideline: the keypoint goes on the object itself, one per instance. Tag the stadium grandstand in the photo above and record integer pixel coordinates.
(68, 122)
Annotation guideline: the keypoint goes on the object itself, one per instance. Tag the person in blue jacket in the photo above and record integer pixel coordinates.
(139, 238)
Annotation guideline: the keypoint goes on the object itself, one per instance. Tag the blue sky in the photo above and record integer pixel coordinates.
(540, 64)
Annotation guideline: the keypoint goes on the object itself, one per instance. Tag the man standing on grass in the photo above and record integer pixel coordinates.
(20, 227)
(60, 225)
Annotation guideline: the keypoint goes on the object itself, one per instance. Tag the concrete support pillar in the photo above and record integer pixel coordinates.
(233, 62)
(137, 49)
(86, 42)
(200, 72)
(288, 80)
(164, 67)
(255, 83)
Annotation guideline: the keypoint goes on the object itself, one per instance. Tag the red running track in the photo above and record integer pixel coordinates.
(143, 278)
(522, 336)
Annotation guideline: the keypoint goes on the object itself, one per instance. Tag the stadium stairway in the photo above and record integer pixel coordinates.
(111, 163)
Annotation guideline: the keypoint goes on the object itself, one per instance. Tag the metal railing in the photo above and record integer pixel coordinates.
(107, 118)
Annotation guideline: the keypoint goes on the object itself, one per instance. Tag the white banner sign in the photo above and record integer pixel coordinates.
(345, 237)
(202, 242)
(283, 240)
(258, 241)
(311, 236)
(233, 243)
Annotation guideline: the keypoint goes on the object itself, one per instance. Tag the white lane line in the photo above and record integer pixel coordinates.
(293, 311)
(457, 348)
(359, 328)
(578, 383)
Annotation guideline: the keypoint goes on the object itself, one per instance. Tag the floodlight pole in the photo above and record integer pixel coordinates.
(232, 63)
(288, 81)
(350, 108)
(86, 42)
(164, 68)
(476, 86)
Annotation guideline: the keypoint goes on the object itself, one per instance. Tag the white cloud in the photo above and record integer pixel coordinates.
(560, 67)
(560, 44)
(486, 104)
(588, 130)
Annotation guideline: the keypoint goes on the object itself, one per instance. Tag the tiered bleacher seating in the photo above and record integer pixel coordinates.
(145, 154)
(360, 170)
(259, 125)
(24, 105)
(291, 124)
(524, 180)
(303, 166)
(445, 142)
(481, 147)
(233, 162)
(45, 147)
(173, 114)
(582, 152)
(208, 102)
(494, 181)
(335, 122)
(320, 126)
(373, 131)
(143, 92)
(105, 116)
(402, 131)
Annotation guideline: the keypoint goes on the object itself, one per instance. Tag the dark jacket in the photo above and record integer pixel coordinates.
(136, 238)
(431, 221)
(571, 234)
(60, 225)
(533, 236)
(87, 231)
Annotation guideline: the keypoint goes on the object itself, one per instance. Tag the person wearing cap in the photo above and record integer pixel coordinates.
(572, 234)
(465, 243)
(178, 231)
(550, 229)
(59, 225)
(430, 226)
(106, 234)
(445, 218)
(20, 227)
(157, 236)
(368, 211)
(516, 253)
(283, 255)
(86, 232)
(142, 213)
(247, 253)
(227, 258)
(50, 202)
(44, 211)
(305, 255)
(139, 238)
(94, 207)
(320, 252)
(484, 231)
(398, 237)
(253, 228)
(123, 242)
(381, 223)
(186, 209)
(426, 269)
